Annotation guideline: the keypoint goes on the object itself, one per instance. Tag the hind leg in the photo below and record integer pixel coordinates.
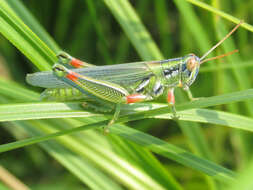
(104, 109)
(114, 118)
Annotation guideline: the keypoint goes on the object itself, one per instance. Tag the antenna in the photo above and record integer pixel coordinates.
(220, 42)
(220, 56)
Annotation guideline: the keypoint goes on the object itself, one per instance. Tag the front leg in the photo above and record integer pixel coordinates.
(189, 94)
(171, 103)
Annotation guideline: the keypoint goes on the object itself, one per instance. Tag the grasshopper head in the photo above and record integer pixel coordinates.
(59, 70)
(191, 62)
(190, 69)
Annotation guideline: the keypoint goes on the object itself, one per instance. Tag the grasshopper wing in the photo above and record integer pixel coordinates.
(121, 74)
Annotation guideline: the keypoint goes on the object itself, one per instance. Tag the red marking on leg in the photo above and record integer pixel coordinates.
(133, 98)
(171, 97)
(76, 63)
(71, 77)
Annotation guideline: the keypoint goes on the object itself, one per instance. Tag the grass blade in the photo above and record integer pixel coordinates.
(152, 143)
(73, 109)
(221, 13)
(30, 21)
(24, 39)
(134, 29)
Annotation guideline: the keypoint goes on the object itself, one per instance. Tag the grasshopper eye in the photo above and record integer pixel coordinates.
(63, 57)
(59, 70)
(191, 63)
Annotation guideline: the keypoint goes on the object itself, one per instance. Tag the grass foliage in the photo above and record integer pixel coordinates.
(209, 147)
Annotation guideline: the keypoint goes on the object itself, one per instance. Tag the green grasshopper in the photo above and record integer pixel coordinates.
(106, 88)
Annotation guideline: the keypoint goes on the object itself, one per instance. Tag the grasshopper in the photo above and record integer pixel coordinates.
(106, 88)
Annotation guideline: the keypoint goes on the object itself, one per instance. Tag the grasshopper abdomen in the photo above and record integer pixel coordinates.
(62, 94)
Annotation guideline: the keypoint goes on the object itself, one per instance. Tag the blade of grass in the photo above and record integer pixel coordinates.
(104, 158)
(172, 152)
(97, 142)
(19, 9)
(136, 32)
(63, 19)
(51, 110)
(221, 13)
(24, 39)
(16, 91)
(244, 180)
(41, 111)
(142, 157)
(82, 168)
(99, 31)
(194, 25)
(152, 143)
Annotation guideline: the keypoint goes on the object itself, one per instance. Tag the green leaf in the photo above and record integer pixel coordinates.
(152, 143)
(100, 154)
(16, 91)
(134, 29)
(81, 167)
(24, 39)
(244, 181)
(74, 109)
(22, 12)
(221, 13)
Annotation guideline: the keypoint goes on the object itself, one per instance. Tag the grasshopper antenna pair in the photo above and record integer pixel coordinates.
(202, 60)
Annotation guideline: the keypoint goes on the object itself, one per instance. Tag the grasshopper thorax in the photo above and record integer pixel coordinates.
(189, 69)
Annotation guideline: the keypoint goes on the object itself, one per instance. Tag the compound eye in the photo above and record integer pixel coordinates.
(63, 55)
(191, 63)
(59, 69)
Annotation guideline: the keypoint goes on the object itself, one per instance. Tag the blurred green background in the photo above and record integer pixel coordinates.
(90, 31)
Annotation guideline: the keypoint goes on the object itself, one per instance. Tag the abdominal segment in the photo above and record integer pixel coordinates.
(62, 94)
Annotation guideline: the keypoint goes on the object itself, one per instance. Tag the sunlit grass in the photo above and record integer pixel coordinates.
(124, 158)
